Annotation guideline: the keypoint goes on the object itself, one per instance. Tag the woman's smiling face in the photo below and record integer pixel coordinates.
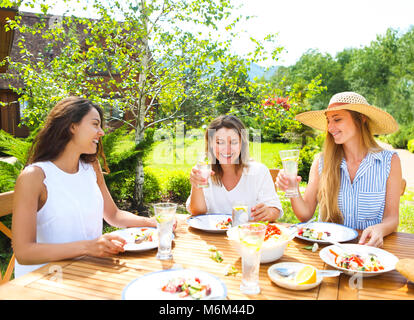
(87, 132)
(342, 126)
(227, 146)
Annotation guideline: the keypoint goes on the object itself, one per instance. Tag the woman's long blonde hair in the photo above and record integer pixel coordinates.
(330, 179)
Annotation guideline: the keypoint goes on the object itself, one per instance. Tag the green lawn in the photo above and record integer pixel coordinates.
(183, 156)
(166, 157)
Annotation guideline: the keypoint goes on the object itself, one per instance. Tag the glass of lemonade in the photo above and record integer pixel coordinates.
(164, 214)
(239, 214)
(290, 167)
(251, 239)
(204, 165)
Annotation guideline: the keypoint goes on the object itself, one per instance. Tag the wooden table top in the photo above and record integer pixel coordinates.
(105, 278)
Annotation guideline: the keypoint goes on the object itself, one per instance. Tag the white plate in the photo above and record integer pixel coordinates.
(129, 235)
(287, 282)
(338, 232)
(387, 259)
(208, 222)
(148, 287)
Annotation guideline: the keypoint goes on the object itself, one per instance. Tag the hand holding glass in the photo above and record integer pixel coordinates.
(290, 167)
(205, 168)
(251, 239)
(164, 214)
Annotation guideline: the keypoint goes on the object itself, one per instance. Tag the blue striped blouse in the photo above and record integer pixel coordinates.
(362, 202)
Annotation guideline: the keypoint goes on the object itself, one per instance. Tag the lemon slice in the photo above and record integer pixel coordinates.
(163, 218)
(306, 275)
(240, 208)
(251, 242)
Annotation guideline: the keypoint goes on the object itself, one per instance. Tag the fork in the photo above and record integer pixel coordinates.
(287, 272)
(303, 226)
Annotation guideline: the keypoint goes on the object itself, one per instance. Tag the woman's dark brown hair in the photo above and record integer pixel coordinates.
(229, 122)
(55, 135)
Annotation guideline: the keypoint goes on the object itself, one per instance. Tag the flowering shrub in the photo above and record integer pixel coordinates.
(277, 102)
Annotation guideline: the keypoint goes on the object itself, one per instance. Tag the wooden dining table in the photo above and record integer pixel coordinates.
(89, 278)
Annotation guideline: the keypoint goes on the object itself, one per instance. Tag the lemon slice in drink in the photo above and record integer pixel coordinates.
(163, 218)
(290, 159)
(306, 275)
(251, 242)
(240, 209)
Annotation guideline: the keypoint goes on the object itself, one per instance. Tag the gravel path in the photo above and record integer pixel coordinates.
(407, 163)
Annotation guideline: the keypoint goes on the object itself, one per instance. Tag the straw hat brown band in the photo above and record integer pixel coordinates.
(380, 122)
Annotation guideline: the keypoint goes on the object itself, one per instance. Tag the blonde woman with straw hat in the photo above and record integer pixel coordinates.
(354, 181)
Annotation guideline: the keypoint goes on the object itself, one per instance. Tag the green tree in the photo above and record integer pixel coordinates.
(136, 57)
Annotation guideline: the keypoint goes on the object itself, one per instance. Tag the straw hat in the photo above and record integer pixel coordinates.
(380, 122)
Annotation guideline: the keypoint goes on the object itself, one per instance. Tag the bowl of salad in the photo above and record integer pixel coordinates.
(276, 240)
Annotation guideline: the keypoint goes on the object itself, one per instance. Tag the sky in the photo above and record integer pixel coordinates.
(329, 26)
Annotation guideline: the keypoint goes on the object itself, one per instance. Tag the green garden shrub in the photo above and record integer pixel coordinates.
(410, 145)
(306, 156)
(178, 186)
(400, 138)
(152, 189)
(121, 155)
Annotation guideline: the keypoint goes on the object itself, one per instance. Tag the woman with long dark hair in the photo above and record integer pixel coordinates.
(235, 177)
(60, 198)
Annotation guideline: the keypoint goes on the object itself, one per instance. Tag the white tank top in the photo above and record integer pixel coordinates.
(73, 210)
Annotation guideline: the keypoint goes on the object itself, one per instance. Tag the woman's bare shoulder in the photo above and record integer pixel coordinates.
(31, 176)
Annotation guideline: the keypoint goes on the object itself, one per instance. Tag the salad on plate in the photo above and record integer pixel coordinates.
(224, 224)
(187, 287)
(314, 234)
(142, 235)
(356, 262)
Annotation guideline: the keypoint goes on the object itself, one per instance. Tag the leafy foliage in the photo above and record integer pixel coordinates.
(14, 147)
(155, 60)
(178, 186)
(410, 145)
(400, 138)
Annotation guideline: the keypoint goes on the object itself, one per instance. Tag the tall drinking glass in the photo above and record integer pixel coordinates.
(204, 165)
(239, 214)
(164, 214)
(290, 167)
(251, 240)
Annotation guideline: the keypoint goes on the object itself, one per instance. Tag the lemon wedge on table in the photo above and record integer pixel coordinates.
(306, 275)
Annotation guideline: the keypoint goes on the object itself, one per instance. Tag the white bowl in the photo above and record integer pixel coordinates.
(272, 249)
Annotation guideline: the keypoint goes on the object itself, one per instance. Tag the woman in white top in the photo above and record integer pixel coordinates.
(234, 178)
(61, 198)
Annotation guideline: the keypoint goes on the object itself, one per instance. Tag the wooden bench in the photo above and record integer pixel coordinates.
(6, 206)
(274, 173)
